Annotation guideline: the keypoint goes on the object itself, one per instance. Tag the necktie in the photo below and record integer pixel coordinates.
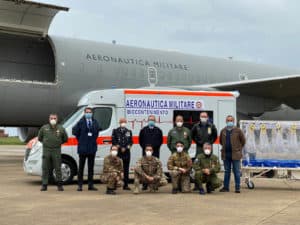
(90, 124)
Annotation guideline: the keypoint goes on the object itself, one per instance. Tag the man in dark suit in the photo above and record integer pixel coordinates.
(122, 137)
(86, 132)
(151, 135)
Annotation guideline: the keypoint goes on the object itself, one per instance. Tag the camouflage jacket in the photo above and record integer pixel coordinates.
(207, 162)
(179, 160)
(112, 164)
(151, 167)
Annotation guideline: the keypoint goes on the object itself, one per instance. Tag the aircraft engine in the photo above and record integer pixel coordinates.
(27, 133)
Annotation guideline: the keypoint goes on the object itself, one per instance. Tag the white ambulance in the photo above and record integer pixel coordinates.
(135, 105)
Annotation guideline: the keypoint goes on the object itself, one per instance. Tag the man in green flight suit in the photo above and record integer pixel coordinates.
(179, 133)
(206, 167)
(52, 136)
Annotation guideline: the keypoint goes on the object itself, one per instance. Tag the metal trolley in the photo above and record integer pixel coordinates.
(272, 150)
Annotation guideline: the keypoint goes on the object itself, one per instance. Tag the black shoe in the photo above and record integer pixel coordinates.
(126, 188)
(237, 191)
(209, 188)
(201, 191)
(195, 188)
(145, 187)
(44, 187)
(174, 191)
(92, 189)
(60, 188)
(224, 190)
(110, 191)
(79, 188)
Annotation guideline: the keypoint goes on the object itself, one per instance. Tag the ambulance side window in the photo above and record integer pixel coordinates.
(103, 116)
(192, 117)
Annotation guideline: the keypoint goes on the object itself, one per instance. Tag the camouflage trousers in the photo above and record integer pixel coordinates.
(213, 179)
(113, 180)
(181, 181)
(140, 179)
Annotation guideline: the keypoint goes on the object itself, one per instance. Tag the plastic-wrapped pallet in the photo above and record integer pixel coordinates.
(271, 143)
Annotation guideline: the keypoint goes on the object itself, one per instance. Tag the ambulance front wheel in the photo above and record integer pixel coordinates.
(250, 184)
(68, 171)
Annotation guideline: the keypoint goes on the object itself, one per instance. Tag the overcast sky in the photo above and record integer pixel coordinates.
(262, 31)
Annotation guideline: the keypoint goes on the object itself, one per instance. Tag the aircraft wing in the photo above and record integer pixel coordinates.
(285, 88)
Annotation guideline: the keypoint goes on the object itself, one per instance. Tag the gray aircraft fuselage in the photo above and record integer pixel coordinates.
(50, 75)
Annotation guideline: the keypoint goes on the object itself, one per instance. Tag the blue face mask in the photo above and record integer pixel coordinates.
(230, 124)
(88, 115)
(151, 123)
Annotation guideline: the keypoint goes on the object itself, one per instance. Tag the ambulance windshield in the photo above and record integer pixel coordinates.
(72, 116)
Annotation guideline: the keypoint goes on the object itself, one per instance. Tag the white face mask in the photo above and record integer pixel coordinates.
(203, 119)
(179, 124)
(114, 153)
(148, 153)
(53, 122)
(207, 151)
(123, 124)
(179, 149)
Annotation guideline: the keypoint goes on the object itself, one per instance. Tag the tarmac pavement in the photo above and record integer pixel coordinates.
(272, 202)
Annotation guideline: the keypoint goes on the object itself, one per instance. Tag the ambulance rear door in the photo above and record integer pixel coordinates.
(225, 108)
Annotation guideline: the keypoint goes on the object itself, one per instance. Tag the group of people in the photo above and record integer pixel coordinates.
(148, 171)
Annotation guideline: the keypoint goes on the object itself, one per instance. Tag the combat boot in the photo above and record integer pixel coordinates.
(209, 188)
(44, 187)
(174, 191)
(136, 190)
(60, 187)
(145, 187)
(201, 191)
(110, 191)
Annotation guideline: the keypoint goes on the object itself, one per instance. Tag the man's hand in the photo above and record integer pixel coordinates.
(122, 176)
(182, 170)
(206, 171)
(123, 150)
(150, 179)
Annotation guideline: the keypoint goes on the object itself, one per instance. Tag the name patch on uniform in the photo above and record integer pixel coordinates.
(185, 134)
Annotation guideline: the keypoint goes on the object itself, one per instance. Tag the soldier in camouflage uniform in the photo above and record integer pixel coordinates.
(206, 167)
(52, 135)
(149, 171)
(112, 171)
(179, 165)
